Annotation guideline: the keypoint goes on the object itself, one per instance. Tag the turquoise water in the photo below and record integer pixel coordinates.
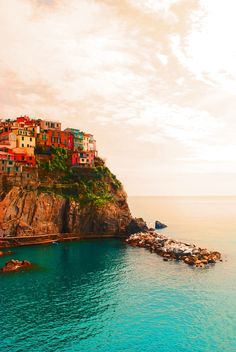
(102, 295)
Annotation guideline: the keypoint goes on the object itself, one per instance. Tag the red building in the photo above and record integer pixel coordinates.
(83, 159)
(23, 119)
(6, 155)
(24, 159)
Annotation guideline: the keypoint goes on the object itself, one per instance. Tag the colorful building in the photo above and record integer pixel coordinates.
(18, 139)
(24, 138)
(25, 159)
(83, 159)
(82, 141)
(50, 125)
(8, 165)
(8, 139)
(77, 138)
(57, 139)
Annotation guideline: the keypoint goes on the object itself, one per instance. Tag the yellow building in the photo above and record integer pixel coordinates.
(86, 142)
(24, 139)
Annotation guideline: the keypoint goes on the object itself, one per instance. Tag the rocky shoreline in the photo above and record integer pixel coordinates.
(171, 249)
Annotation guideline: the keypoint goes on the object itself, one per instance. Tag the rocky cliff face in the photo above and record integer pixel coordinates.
(36, 211)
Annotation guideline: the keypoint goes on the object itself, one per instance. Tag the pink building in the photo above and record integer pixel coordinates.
(83, 159)
(50, 125)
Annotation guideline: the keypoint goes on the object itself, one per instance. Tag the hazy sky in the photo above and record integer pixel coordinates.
(153, 80)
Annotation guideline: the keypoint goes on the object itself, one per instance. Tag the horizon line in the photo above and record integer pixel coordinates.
(182, 195)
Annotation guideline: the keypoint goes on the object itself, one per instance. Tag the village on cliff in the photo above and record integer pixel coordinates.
(25, 142)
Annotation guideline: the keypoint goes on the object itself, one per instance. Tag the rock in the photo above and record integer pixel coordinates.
(159, 225)
(198, 262)
(16, 265)
(204, 261)
(190, 260)
(171, 249)
(6, 253)
(30, 213)
(217, 255)
(137, 225)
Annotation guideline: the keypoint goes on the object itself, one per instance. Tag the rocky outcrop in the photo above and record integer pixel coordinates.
(16, 265)
(25, 212)
(136, 225)
(159, 225)
(171, 249)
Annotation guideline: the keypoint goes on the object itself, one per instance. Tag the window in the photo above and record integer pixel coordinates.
(22, 158)
(22, 138)
(27, 145)
(22, 145)
(30, 139)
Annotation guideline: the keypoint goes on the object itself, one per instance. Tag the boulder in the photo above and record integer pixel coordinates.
(136, 225)
(159, 225)
(16, 265)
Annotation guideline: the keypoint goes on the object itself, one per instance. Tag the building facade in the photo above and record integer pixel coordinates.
(21, 138)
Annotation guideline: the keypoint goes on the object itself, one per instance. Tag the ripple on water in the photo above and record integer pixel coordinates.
(106, 296)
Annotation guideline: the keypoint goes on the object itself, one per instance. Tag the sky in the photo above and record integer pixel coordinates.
(153, 80)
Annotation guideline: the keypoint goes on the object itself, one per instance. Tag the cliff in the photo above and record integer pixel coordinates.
(85, 203)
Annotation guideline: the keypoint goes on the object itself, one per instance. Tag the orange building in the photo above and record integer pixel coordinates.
(58, 139)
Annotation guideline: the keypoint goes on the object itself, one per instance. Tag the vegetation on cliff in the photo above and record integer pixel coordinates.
(95, 187)
(58, 161)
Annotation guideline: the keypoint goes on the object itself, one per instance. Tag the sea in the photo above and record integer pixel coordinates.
(103, 295)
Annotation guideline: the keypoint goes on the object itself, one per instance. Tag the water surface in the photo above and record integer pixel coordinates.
(102, 295)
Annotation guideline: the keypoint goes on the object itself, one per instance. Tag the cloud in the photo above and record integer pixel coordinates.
(208, 51)
(151, 79)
